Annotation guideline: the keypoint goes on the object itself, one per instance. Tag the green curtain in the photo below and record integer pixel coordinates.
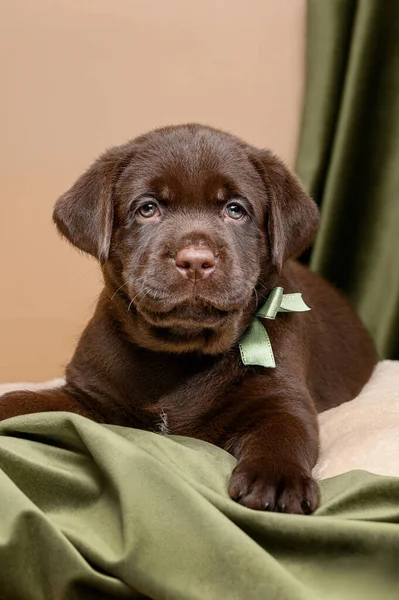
(348, 156)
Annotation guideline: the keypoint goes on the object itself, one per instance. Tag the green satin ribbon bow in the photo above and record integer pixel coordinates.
(255, 346)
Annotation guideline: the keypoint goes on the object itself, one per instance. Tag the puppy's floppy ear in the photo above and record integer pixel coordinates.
(84, 214)
(293, 216)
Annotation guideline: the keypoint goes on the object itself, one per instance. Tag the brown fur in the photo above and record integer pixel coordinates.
(160, 352)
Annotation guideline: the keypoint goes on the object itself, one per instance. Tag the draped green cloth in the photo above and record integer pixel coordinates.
(348, 156)
(98, 512)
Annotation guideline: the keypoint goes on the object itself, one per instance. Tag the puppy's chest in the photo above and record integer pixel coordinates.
(178, 397)
(166, 374)
(163, 425)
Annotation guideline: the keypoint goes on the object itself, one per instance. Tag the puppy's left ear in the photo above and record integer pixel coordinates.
(293, 216)
(84, 214)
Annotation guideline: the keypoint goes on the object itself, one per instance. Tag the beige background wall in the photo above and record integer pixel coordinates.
(80, 75)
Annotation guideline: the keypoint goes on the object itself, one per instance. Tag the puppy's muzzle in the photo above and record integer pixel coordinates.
(195, 262)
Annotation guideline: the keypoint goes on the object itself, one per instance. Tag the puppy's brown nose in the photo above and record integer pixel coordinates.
(195, 262)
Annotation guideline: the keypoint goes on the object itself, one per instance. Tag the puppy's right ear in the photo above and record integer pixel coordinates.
(84, 214)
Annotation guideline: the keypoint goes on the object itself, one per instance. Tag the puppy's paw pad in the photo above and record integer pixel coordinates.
(266, 485)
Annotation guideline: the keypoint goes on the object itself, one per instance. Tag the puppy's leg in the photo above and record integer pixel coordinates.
(276, 446)
(19, 403)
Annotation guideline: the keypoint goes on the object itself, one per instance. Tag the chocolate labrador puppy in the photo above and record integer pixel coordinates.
(193, 228)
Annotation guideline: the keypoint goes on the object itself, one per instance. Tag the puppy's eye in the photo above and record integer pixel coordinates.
(235, 211)
(148, 210)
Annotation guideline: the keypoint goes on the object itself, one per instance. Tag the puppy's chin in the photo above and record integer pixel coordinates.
(214, 335)
(187, 318)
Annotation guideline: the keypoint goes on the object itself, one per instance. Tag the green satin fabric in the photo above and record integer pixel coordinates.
(348, 156)
(98, 512)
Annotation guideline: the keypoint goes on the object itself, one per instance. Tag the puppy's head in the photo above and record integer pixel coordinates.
(189, 224)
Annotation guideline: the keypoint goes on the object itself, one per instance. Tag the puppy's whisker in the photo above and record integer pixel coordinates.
(134, 297)
(256, 297)
(141, 299)
(119, 288)
(138, 293)
(262, 283)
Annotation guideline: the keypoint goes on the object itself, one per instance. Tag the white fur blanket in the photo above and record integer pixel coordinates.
(361, 434)
(364, 433)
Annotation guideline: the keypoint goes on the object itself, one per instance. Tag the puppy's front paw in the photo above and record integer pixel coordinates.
(264, 484)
